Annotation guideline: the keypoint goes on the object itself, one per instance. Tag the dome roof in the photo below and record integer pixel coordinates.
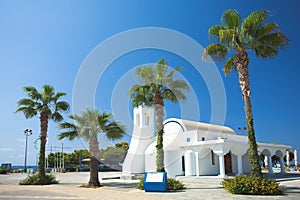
(186, 125)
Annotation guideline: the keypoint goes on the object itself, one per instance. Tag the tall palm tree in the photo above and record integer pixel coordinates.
(46, 106)
(238, 38)
(87, 126)
(156, 87)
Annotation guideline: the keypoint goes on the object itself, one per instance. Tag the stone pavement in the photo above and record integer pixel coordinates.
(203, 187)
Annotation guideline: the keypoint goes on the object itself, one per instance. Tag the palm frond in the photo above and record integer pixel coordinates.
(28, 112)
(141, 94)
(160, 69)
(67, 125)
(217, 52)
(173, 72)
(26, 102)
(267, 29)
(275, 39)
(62, 106)
(58, 95)
(180, 85)
(163, 83)
(213, 32)
(103, 119)
(228, 66)
(133, 89)
(226, 37)
(231, 19)
(265, 51)
(169, 94)
(255, 20)
(71, 135)
(269, 46)
(47, 94)
(114, 131)
(146, 74)
(141, 99)
(57, 117)
(32, 92)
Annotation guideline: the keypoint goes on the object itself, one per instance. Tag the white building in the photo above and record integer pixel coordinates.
(192, 148)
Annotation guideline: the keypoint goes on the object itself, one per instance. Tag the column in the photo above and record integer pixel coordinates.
(287, 158)
(197, 163)
(296, 157)
(240, 164)
(222, 165)
(266, 161)
(282, 165)
(270, 165)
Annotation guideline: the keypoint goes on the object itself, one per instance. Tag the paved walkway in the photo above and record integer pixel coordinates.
(203, 187)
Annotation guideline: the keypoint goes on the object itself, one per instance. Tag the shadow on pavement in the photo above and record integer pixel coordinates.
(119, 185)
(292, 189)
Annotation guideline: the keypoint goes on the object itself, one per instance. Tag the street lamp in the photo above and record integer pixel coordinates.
(27, 133)
(242, 129)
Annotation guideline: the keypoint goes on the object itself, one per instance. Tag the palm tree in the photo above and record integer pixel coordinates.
(88, 126)
(158, 86)
(46, 106)
(238, 38)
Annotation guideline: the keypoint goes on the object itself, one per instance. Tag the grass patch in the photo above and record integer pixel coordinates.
(35, 179)
(89, 186)
(3, 170)
(252, 185)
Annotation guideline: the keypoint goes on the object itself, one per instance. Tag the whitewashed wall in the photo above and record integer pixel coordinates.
(246, 163)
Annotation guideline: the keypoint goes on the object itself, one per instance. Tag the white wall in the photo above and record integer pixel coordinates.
(150, 158)
(142, 137)
(206, 167)
(246, 163)
(173, 163)
(234, 164)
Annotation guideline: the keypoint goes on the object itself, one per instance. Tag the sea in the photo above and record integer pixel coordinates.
(34, 167)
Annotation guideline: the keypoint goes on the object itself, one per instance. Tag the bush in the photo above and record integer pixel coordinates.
(36, 180)
(3, 170)
(252, 185)
(140, 184)
(172, 184)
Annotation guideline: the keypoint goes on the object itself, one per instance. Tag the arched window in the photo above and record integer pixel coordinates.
(147, 119)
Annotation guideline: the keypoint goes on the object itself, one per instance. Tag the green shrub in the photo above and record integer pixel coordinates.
(3, 170)
(252, 185)
(172, 184)
(140, 184)
(36, 180)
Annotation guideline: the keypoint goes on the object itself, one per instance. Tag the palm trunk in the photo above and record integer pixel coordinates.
(94, 163)
(43, 136)
(159, 110)
(241, 63)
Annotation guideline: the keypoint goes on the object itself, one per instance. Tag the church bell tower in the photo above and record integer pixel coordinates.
(142, 136)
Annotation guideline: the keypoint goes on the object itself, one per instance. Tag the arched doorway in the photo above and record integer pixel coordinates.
(228, 163)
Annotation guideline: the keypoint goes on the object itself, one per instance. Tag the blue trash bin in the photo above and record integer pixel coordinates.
(155, 182)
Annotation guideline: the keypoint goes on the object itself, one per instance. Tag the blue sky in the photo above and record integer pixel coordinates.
(46, 42)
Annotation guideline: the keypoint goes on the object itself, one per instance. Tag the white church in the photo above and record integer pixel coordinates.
(192, 148)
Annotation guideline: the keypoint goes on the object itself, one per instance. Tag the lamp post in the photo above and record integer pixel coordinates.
(27, 133)
(242, 130)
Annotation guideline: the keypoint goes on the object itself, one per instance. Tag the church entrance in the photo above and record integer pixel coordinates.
(228, 163)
